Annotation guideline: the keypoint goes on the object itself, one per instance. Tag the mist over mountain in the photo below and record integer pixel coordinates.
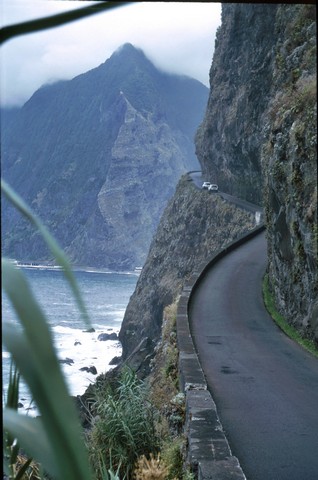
(98, 157)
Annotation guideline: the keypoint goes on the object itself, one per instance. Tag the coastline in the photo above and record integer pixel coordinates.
(76, 268)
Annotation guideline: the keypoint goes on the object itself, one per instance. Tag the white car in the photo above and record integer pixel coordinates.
(206, 185)
(213, 188)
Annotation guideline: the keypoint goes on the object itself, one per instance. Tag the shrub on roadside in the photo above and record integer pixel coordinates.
(122, 426)
(150, 469)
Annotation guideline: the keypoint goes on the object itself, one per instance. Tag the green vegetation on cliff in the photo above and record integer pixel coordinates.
(281, 322)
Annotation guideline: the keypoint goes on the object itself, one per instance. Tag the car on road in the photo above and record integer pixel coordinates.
(206, 185)
(213, 188)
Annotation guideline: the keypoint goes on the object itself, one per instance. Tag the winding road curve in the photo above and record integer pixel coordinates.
(264, 385)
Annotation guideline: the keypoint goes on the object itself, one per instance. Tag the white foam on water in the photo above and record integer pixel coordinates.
(84, 350)
(106, 305)
(98, 357)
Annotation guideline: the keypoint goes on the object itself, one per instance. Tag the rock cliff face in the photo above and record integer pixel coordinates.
(289, 163)
(98, 157)
(146, 159)
(228, 141)
(257, 140)
(194, 225)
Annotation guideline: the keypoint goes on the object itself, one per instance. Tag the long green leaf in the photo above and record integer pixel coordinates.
(11, 447)
(56, 20)
(55, 406)
(13, 388)
(58, 253)
(34, 355)
(31, 433)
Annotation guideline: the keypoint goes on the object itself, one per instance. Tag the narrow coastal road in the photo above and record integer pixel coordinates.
(264, 385)
(197, 179)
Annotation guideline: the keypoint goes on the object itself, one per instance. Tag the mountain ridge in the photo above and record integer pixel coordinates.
(58, 148)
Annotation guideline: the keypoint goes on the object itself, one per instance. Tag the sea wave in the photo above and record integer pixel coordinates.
(64, 330)
(105, 302)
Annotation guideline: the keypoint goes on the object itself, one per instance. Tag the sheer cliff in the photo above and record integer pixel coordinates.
(289, 164)
(98, 157)
(228, 141)
(257, 141)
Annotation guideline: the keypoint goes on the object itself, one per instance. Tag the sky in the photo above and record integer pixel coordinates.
(177, 37)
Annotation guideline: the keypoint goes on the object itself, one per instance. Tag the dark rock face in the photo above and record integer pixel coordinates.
(228, 141)
(194, 225)
(67, 361)
(115, 361)
(103, 337)
(98, 157)
(90, 369)
(290, 169)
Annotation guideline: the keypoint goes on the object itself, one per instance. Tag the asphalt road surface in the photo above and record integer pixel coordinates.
(264, 385)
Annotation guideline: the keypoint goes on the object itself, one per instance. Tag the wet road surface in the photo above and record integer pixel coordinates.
(264, 385)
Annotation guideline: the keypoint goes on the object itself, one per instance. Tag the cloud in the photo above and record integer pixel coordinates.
(176, 36)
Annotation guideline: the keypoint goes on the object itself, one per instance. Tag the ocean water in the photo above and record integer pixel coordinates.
(106, 296)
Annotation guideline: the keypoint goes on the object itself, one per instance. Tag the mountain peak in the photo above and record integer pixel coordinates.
(128, 49)
(127, 57)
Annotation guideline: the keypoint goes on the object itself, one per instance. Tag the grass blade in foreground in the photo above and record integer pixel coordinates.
(34, 355)
(10, 445)
(31, 433)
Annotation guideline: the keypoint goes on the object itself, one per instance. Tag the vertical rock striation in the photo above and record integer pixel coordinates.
(289, 163)
(228, 141)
